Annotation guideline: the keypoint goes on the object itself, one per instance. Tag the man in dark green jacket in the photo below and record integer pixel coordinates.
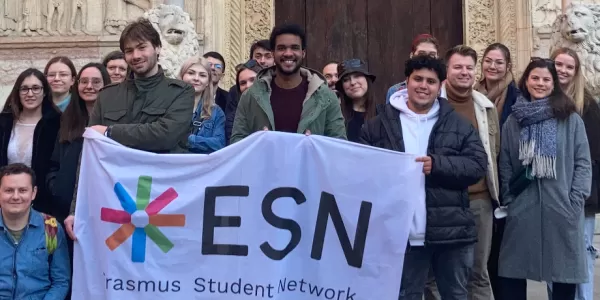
(287, 97)
(148, 112)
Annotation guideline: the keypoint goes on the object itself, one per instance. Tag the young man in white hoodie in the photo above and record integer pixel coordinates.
(442, 235)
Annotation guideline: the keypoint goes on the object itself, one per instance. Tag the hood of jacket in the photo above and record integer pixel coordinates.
(399, 101)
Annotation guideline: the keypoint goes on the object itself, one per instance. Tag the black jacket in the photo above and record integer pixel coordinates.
(591, 120)
(221, 98)
(44, 137)
(458, 161)
(233, 98)
(62, 176)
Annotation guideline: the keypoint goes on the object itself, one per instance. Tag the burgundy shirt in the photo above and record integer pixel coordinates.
(287, 105)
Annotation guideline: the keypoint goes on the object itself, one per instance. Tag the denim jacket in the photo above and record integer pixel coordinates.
(27, 271)
(394, 88)
(207, 135)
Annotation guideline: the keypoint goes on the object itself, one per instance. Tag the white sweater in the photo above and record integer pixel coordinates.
(416, 129)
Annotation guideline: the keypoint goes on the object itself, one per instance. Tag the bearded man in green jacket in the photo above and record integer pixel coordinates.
(147, 111)
(287, 97)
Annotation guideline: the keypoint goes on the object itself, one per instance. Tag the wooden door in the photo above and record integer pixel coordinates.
(379, 32)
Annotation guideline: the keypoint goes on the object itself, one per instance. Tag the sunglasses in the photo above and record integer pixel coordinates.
(247, 65)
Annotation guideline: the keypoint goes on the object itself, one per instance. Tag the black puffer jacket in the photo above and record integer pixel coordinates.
(591, 119)
(458, 161)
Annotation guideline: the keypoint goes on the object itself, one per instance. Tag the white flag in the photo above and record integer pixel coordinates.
(275, 216)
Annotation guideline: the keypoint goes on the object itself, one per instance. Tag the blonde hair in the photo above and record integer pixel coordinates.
(576, 89)
(207, 97)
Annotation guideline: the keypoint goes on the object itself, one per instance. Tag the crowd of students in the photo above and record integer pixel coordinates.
(509, 169)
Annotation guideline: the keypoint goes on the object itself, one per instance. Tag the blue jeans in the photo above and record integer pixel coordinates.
(451, 265)
(585, 291)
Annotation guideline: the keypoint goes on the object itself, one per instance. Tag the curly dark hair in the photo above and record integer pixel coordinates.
(425, 62)
(292, 29)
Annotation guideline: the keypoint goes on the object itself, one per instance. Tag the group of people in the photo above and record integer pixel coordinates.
(509, 169)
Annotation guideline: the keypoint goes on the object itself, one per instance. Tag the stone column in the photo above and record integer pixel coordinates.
(505, 21)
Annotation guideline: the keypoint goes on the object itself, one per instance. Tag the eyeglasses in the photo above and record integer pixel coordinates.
(24, 90)
(96, 82)
(217, 66)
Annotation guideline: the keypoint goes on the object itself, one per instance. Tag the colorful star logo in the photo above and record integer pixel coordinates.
(141, 218)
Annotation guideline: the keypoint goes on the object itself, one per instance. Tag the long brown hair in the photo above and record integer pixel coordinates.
(576, 89)
(76, 116)
(370, 105)
(13, 103)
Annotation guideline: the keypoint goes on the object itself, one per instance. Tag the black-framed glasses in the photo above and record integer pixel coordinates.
(24, 90)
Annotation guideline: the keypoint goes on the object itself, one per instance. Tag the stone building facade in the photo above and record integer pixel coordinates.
(525, 26)
(32, 31)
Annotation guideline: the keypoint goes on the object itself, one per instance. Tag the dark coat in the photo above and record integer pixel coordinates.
(458, 161)
(543, 238)
(511, 97)
(62, 176)
(232, 102)
(44, 137)
(221, 98)
(591, 120)
(160, 124)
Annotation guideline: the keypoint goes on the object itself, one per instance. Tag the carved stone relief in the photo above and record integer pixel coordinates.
(578, 29)
(480, 25)
(178, 37)
(33, 31)
(235, 51)
(79, 17)
(259, 20)
(9, 17)
(544, 13)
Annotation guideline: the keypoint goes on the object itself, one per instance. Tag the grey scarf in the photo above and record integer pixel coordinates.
(537, 143)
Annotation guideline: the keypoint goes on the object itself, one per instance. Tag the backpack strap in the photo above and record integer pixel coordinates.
(50, 230)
